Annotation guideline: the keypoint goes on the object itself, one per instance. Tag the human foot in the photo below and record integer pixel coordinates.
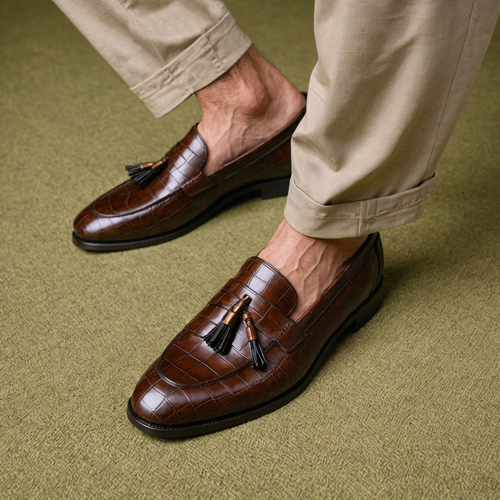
(309, 264)
(244, 107)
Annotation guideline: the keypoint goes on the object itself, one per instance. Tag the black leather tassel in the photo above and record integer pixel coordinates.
(222, 340)
(258, 356)
(215, 332)
(220, 337)
(143, 173)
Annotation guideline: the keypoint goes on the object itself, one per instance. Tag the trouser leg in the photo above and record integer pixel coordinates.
(391, 80)
(164, 50)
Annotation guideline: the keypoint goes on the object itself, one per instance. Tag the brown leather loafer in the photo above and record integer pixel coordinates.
(171, 197)
(243, 356)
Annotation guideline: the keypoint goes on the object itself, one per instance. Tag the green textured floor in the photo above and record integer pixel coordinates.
(409, 407)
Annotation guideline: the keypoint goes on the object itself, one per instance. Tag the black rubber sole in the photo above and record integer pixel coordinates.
(354, 322)
(266, 189)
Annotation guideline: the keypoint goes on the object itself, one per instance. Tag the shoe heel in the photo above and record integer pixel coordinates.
(369, 308)
(275, 189)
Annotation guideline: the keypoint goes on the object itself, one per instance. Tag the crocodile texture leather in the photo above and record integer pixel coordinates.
(190, 383)
(182, 191)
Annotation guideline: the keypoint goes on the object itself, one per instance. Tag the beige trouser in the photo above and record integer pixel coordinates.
(391, 80)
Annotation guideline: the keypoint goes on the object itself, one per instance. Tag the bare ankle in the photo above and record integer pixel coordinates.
(244, 88)
(310, 264)
(245, 107)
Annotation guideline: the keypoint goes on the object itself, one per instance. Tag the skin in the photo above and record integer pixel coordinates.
(241, 109)
(244, 107)
(310, 264)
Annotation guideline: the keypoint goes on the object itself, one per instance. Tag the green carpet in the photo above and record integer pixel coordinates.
(409, 407)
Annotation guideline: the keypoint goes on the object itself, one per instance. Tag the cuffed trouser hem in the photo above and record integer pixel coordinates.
(209, 57)
(350, 220)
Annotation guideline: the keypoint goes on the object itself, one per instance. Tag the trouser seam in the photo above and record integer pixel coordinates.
(219, 7)
(449, 91)
(168, 77)
(396, 209)
(142, 29)
(215, 55)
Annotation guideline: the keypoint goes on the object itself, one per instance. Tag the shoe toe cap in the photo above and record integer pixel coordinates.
(90, 225)
(158, 401)
(85, 223)
(155, 401)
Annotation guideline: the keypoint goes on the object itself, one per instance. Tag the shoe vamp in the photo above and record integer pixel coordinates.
(189, 361)
(129, 198)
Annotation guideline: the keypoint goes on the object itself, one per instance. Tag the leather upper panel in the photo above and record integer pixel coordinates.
(182, 191)
(190, 382)
(190, 361)
(186, 161)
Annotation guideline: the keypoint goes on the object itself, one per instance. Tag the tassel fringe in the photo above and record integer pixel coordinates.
(258, 356)
(143, 173)
(209, 337)
(220, 337)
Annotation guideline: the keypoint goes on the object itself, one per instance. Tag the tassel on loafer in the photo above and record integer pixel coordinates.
(168, 198)
(269, 358)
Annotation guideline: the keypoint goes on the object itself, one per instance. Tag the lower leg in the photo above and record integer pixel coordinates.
(387, 90)
(362, 160)
(244, 107)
